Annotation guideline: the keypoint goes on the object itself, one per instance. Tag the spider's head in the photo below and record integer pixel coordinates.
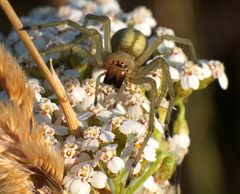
(127, 45)
(118, 64)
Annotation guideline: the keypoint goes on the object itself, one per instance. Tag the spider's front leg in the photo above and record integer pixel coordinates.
(155, 100)
(153, 92)
(86, 33)
(106, 29)
(152, 48)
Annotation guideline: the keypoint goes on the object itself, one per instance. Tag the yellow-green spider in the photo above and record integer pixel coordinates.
(123, 56)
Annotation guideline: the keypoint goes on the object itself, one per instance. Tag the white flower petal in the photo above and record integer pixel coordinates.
(43, 118)
(127, 151)
(130, 126)
(119, 110)
(78, 94)
(149, 154)
(223, 81)
(137, 169)
(153, 143)
(85, 116)
(151, 185)
(99, 180)
(107, 136)
(181, 140)
(70, 139)
(60, 130)
(174, 73)
(104, 115)
(83, 157)
(76, 186)
(194, 82)
(134, 112)
(115, 164)
(107, 127)
(80, 187)
(91, 145)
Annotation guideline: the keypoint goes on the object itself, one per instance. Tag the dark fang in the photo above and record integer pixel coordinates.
(114, 77)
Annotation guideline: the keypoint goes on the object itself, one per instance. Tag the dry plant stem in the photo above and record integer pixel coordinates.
(71, 118)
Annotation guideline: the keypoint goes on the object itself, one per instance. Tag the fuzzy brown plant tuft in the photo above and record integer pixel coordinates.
(28, 163)
(14, 82)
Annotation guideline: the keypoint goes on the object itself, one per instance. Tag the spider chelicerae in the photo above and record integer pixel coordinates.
(123, 56)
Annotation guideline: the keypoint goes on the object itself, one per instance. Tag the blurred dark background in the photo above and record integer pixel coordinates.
(213, 163)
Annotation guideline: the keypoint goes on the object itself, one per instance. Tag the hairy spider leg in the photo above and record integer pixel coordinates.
(155, 100)
(106, 47)
(167, 86)
(106, 29)
(73, 47)
(153, 92)
(90, 33)
(152, 48)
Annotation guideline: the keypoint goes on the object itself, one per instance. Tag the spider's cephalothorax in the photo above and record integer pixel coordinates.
(127, 45)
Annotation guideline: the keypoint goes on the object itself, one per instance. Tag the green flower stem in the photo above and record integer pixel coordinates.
(118, 183)
(180, 124)
(182, 110)
(153, 168)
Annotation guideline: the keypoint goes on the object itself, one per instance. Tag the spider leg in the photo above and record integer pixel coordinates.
(90, 33)
(106, 29)
(153, 93)
(149, 51)
(155, 100)
(167, 86)
(70, 47)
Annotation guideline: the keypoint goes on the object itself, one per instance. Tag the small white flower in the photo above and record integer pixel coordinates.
(218, 72)
(177, 58)
(92, 135)
(34, 83)
(74, 91)
(108, 156)
(117, 121)
(191, 75)
(166, 45)
(141, 19)
(81, 177)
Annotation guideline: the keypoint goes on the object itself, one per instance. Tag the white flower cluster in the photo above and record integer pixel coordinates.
(113, 131)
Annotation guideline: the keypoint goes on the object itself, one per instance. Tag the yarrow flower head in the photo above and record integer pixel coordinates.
(115, 125)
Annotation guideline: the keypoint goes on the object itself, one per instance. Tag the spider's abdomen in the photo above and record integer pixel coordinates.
(130, 41)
